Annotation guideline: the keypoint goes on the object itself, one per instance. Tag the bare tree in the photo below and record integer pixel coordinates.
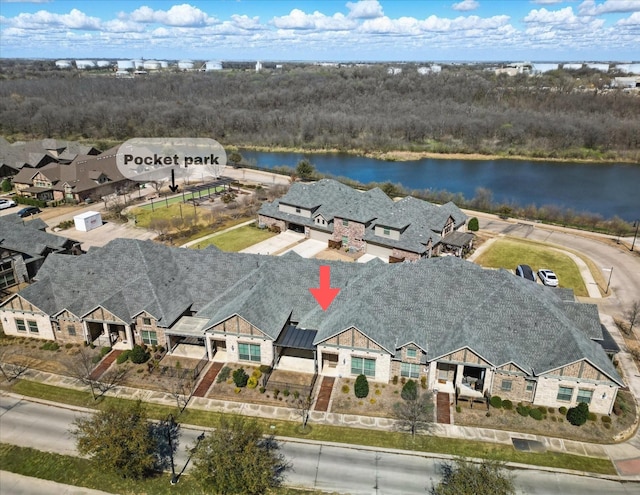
(82, 366)
(415, 414)
(303, 408)
(160, 225)
(633, 314)
(181, 388)
(13, 371)
(158, 185)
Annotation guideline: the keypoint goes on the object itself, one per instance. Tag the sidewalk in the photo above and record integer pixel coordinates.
(200, 239)
(628, 453)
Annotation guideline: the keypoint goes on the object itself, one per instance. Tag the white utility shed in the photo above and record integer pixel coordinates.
(88, 221)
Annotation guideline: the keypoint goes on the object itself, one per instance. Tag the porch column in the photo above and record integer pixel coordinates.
(85, 331)
(105, 331)
(315, 361)
(168, 343)
(459, 374)
(129, 334)
(207, 343)
(433, 375)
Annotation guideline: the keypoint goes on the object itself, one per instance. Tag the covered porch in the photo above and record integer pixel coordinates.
(294, 350)
(108, 334)
(187, 338)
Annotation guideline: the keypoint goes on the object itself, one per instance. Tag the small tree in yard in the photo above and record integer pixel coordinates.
(81, 367)
(238, 459)
(303, 406)
(633, 314)
(466, 478)
(473, 225)
(361, 387)
(240, 377)
(578, 415)
(409, 390)
(118, 439)
(415, 413)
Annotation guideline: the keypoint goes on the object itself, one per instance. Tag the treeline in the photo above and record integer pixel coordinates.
(361, 108)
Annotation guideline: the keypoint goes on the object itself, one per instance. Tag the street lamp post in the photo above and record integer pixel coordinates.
(636, 224)
(609, 282)
(170, 424)
(176, 477)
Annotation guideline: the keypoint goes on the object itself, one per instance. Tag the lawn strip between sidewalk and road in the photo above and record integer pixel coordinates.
(81, 472)
(330, 433)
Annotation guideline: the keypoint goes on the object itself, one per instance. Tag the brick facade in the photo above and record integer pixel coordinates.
(148, 323)
(353, 231)
(272, 222)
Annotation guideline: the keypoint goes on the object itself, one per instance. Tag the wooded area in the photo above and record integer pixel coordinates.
(462, 109)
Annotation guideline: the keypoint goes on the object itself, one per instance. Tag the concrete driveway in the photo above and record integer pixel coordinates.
(308, 248)
(106, 233)
(276, 244)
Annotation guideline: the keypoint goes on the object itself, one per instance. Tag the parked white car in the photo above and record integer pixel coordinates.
(6, 203)
(548, 277)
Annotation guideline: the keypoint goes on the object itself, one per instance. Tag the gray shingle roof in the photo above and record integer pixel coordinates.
(441, 304)
(27, 240)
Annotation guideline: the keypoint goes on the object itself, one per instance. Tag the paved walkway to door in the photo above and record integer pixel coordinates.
(443, 408)
(322, 404)
(104, 365)
(207, 380)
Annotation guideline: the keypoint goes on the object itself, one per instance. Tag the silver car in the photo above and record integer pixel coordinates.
(6, 203)
(548, 277)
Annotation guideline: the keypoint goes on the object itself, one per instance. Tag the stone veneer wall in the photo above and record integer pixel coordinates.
(140, 326)
(272, 222)
(354, 232)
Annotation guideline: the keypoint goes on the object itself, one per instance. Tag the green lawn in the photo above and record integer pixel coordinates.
(237, 239)
(355, 436)
(509, 253)
(162, 202)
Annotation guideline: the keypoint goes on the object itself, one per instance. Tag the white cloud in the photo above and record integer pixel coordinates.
(299, 20)
(365, 9)
(632, 20)
(465, 5)
(184, 15)
(547, 2)
(45, 20)
(246, 22)
(589, 7)
(122, 26)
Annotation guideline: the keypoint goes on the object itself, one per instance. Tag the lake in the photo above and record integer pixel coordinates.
(606, 189)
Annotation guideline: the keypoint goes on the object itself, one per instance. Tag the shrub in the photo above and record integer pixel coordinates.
(139, 355)
(6, 185)
(240, 377)
(237, 390)
(542, 409)
(403, 380)
(562, 410)
(607, 425)
(286, 392)
(160, 348)
(252, 382)
(606, 419)
(536, 414)
(264, 368)
(620, 406)
(95, 359)
(361, 387)
(345, 389)
(458, 409)
(276, 391)
(395, 379)
(551, 410)
(523, 410)
(123, 357)
(578, 415)
(104, 351)
(223, 375)
(50, 346)
(488, 414)
(296, 394)
(257, 373)
(473, 224)
(262, 390)
(423, 382)
(378, 392)
(496, 401)
(554, 418)
(409, 391)
(507, 404)
(68, 345)
(592, 417)
(372, 401)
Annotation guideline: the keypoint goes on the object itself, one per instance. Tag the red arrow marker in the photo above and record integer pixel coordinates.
(325, 294)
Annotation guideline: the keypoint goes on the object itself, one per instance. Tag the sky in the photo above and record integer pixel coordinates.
(323, 30)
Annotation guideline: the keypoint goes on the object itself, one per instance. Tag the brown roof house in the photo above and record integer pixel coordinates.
(86, 176)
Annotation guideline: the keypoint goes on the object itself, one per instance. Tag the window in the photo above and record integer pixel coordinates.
(146, 321)
(506, 385)
(71, 330)
(386, 231)
(249, 352)
(410, 370)
(297, 210)
(411, 353)
(345, 240)
(565, 394)
(33, 326)
(345, 223)
(7, 277)
(363, 366)
(443, 374)
(530, 385)
(149, 337)
(20, 325)
(585, 395)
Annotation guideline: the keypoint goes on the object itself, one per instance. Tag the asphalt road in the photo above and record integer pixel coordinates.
(625, 279)
(333, 468)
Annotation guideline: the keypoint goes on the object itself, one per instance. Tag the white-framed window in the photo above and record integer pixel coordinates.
(345, 240)
(20, 325)
(386, 231)
(71, 330)
(506, 385)
(410, 370)
(363, 366)
(149, 337)
(345, 223)
(584, 395)
(443, 374)
(249, 352)
(412, 352)
(33, 326)
(530, 385)
(146, 321)
(298, 210)
(565, 394)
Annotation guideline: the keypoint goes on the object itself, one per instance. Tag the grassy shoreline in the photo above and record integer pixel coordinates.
(405, 155)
